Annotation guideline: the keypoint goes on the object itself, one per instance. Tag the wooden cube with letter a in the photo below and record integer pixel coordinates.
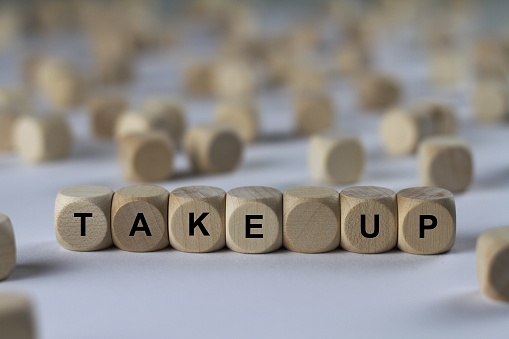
(426, 220)
(254, 219)
(139, 218)
(82, 218)
(196, 219)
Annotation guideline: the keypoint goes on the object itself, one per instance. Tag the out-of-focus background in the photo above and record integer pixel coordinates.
(85, 86)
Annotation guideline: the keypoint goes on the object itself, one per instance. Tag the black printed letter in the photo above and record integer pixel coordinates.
(249, 226)
(198, 223)
(429, 227)
(363, 226)
(136, 228)
(83, 217)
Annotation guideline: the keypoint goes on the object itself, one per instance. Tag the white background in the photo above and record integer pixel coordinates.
(116, 294)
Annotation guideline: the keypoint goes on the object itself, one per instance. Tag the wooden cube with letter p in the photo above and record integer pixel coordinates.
(139, 218)
(196, 219)
(254, 219)
(426, 220)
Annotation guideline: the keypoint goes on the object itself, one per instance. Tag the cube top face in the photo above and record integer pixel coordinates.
(198, 192)
(196, 219)
(254, 219)
(7, 247)
(86, 191)
(311, 219)
(427, 220)
(256, 193)
(141, 192)
(368, 219)
(492, 262)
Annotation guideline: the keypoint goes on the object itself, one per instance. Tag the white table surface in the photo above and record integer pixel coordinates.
(116, 294)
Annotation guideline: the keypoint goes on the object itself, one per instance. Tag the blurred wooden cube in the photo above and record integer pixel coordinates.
(105, 111)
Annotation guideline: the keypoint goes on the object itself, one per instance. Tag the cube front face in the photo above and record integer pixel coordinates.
(196, 220)
(16, 319)
(7, 247)
(254, 219)
(426, 220)
(311, 222)
(368, 221)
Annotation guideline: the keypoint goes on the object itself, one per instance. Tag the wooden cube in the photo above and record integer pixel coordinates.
(198, 78)
(491, 101)
(311, 222)
(401, 130)
(7, 247)
(254, 219)
(82, 218)
(446, 66)
(369, 219)
(426, 220)
(16, 317)
(166, 115)
(196, 218)
(42, 138)
(146, 156)
(104, 111)
(445, 162)
(7, 122)
(492, 261)
(352, 59)
(139, 218)
(304, 78)
(234, 79)
(213, 148)
(241, 115)
(160, 116)
(378, 92)
(336, 158)
(443, 117)
(314, 112)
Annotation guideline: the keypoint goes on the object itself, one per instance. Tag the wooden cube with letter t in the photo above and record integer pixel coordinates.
(426, 220)
(196, 219)
(139, 218)
(254, 219)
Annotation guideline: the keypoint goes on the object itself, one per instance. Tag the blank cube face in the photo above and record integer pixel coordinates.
(241, 115)
(42, 138)
(146, 156)
(139, 218)
(491, 103)
(314, 113)
(368, 219)
(234, 79)
(254, 219)
(311, 219)
(378, 92)
(82, 218)
(104, 113)
(7, 247)
(445, 162)
(166, 116)
(198, 79)
(213, 148)
(7, 121)
(426, 220)
(196, 219)
(492, 263)
(336, 158)
(16, 317)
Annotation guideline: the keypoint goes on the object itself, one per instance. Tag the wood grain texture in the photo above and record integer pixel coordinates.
(7, 247)
(336, 157)
(368, 203)
(197, 200)
(104, 112)
(92, 200)
(445, 162)
(146, 156)
(491, 101)
(378, 91)
(401, 130)
(314, 112)
(265, 204)
(128, 206)
(492, 253)
(213, 148)
(16, 317)
(415, 202)
(311, 219)
(42, 138)
(241, 115)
